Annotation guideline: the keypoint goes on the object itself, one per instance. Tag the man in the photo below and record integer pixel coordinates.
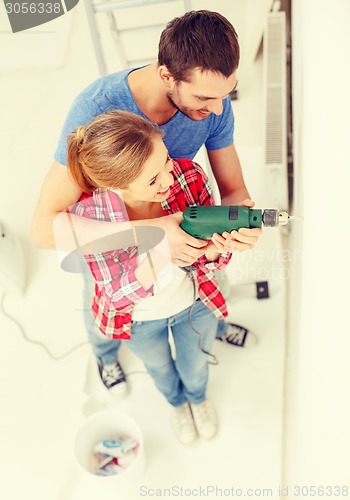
(186, 93)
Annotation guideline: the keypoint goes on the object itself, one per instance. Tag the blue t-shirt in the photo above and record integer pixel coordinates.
(183, 137)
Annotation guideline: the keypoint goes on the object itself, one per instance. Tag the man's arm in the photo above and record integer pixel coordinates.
(227, 170)
(51, 226)
(57, 193)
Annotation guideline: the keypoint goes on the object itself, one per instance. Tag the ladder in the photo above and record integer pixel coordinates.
(109, 7)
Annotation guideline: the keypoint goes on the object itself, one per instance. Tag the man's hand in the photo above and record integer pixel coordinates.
(184, 248)
(241, 240)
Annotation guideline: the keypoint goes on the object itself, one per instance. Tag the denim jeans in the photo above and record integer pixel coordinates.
(184, 378)
(106, 350)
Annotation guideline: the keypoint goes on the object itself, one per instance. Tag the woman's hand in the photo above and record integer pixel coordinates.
(212, 253)
(184, 248)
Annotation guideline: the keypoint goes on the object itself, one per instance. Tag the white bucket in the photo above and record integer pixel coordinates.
(108, 424)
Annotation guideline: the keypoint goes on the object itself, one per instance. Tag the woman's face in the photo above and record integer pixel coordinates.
(153, 184)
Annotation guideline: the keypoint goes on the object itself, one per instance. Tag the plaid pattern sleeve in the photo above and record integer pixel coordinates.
(191, 187)
(114, 273)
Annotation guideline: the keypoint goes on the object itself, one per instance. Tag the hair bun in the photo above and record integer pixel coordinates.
(80, 133)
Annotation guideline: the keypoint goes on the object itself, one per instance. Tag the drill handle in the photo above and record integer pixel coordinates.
(202, 222)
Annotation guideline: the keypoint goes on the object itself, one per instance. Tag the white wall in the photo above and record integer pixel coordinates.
(317, 398)
(247, 16)
(42, 47)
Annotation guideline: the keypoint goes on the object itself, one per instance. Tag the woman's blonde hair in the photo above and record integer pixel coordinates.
(111, 150)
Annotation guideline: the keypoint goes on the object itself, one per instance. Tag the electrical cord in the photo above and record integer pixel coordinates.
(37, 342)
(188, 269)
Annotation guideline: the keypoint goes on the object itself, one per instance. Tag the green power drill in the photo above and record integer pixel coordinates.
(202, 222)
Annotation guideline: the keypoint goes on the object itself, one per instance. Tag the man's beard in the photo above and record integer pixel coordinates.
(185, 111)
(173, 104)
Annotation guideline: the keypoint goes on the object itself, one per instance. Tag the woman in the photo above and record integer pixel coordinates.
(121, 164)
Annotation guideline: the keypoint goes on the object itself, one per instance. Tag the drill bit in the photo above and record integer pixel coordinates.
(294, 217)
(283, 218)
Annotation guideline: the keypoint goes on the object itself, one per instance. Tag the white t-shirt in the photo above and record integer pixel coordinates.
(174, 293)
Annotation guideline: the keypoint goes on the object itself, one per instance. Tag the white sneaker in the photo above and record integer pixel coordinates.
(184, 427)
(205, 420)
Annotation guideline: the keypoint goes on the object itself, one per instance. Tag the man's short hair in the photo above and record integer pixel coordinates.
(199, 39)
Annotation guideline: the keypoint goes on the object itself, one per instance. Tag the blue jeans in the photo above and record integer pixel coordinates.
(186, 377)
(106, 350)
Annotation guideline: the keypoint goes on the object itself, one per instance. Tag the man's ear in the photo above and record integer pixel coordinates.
(165, 75)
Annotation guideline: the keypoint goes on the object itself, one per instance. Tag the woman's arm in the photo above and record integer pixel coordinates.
(121, 280)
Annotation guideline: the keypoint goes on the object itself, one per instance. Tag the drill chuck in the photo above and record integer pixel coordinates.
(202, 222)
(272, 217)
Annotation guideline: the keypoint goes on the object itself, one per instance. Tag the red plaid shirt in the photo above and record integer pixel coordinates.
(117, 289)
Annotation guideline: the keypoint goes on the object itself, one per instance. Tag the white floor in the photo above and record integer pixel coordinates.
(43, 400)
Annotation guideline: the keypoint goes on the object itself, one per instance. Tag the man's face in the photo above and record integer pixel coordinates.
(202, 95)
